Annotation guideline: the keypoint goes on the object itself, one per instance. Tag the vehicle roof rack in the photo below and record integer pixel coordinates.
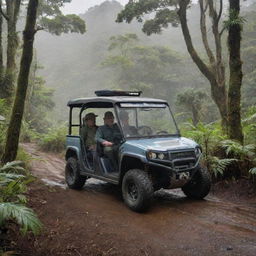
(109, 93)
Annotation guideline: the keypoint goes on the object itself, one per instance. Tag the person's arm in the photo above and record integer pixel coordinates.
(99, 138)
(83, 134)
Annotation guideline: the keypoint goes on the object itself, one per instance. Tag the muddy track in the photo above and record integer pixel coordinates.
(95, 221)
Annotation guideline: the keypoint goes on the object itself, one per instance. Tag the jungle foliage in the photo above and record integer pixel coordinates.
(54, 140)
(226, 95)
(13, 184)
(49, 15)
(49, 18)
(226, 158)
(136, 66)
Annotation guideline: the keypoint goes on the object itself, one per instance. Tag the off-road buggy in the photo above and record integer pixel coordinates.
(155, 157)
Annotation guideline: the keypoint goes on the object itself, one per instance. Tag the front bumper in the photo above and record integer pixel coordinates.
(192, 163)
(178, 174)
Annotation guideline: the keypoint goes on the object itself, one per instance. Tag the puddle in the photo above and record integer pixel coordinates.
(54, 183)
(90, 183)
(169, 194)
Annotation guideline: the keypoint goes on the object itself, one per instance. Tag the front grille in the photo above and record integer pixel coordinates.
(181, 155)
(183, 159)
(184, 164)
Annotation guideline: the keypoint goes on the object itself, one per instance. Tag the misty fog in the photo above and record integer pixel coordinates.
(72, 62)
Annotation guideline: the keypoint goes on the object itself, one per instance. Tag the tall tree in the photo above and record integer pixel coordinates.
(175, 12)
(1, 47)
(11, 16)
(236, 75)
(13, 132)
(18, 108)
(50, 18)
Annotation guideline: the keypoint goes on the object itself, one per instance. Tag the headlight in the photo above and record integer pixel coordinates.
(152, 155)
(161, 156)
(157, 156)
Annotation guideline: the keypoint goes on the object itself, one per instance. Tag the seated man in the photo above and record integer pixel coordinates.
(109, 136)
(127, 129)
(87, 133)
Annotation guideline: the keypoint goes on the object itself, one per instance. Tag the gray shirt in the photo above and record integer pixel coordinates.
(107, 133)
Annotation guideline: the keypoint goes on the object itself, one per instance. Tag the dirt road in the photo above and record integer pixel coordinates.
(95, 221)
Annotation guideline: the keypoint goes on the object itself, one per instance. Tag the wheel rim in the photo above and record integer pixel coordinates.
(132, 191)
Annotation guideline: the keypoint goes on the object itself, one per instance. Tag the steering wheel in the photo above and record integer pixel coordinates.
(145, 130)
(162, 133)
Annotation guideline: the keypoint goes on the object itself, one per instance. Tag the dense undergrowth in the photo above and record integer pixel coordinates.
(223, 157)
(14, 178)
(54, 140)
(13, 210)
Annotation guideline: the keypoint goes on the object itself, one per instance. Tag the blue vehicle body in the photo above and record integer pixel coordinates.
(179, 155)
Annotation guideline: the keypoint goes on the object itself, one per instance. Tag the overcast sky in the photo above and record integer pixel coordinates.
(80, 6)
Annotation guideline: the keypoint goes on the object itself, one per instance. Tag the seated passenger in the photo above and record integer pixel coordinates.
(109, 136)
(128, 130)
(88, 131)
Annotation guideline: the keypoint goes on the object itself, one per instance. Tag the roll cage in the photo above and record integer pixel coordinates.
(105, 102)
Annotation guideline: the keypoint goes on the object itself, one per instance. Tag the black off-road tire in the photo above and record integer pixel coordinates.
(137, 190)
(199, 186)
(72, 174)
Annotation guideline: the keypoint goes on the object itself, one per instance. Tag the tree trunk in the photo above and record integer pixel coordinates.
(235, 80)
(12, 8)
(218, 89)
(1, 50)
(195, 115)
(13, 132)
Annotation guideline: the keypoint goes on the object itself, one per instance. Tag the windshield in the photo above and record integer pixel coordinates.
(146, 119)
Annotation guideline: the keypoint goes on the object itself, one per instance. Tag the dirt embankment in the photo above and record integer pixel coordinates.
(95, 221)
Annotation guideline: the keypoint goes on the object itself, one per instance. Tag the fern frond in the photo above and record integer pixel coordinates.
(218, 166)
(232, 147)
(249, 118)
(14, 167)
(22, 215)
(253, 171)
(6, 178)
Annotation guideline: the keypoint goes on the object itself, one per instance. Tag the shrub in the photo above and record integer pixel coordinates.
(22, 215)
(210, 137)
(249, 125)
(13, 184)
(245, 154)
(27, 133)
(24, 157)
(54, 140)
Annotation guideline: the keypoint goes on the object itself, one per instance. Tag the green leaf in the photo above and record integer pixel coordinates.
(14, 167)
(253, 171)
(218, 166)
(22, 215)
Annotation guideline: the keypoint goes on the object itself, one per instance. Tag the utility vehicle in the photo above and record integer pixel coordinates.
(155, 157)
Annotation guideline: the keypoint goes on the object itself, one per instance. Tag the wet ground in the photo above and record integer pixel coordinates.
(95, 221)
